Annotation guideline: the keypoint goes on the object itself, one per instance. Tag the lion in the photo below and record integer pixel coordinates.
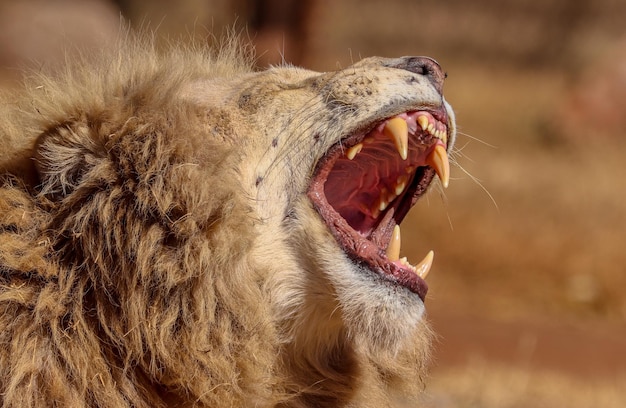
(178, 229)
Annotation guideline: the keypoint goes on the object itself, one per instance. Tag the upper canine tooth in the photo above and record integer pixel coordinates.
(393, 250)
(354, 150)
(438, 160)
(397, 130)
(423, 267)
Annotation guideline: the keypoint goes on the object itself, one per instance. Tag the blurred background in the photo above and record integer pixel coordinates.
(527, 289)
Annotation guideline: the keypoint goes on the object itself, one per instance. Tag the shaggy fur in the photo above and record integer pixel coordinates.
(157, 247)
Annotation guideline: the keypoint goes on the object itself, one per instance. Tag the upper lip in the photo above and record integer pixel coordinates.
(365, 185)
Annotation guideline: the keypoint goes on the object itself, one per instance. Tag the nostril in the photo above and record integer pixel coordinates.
(425, 66)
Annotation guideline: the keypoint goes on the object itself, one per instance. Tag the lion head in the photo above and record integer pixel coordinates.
(178, 229)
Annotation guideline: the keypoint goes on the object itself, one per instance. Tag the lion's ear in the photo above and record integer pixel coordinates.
(65, 154)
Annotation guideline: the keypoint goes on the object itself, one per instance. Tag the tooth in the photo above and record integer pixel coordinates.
(423, 267)
(393, 250)
(382, 204)
(379, 205)
(438, 160)
(374, 212)
(383, 200)
(423, 122)
(431, 129)
(443, 136)
(405, 262)
(397, 130)
(354, 150)
(400, 186)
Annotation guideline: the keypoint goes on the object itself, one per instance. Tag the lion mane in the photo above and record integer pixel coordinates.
(142, 260)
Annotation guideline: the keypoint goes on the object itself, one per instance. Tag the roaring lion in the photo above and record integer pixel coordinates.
(179, 230)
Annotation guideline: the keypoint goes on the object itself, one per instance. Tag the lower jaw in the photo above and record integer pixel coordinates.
(392, 311)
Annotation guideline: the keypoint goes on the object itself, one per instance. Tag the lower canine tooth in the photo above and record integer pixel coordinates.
(423, 267)
(397, 130)
(438, 160)
(393, 250)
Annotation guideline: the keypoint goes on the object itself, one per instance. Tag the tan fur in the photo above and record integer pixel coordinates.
(157, 247)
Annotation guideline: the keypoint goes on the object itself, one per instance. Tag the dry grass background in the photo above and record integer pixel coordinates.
(530, 267)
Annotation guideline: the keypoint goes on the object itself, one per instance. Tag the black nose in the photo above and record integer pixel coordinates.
(423, 66)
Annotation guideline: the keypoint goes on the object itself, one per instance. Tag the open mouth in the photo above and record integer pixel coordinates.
(365, 185)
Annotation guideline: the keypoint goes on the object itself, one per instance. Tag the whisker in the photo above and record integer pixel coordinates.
(286, 148)
(477, 139)
(304, 134)
(478, 182)
(449, 220)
